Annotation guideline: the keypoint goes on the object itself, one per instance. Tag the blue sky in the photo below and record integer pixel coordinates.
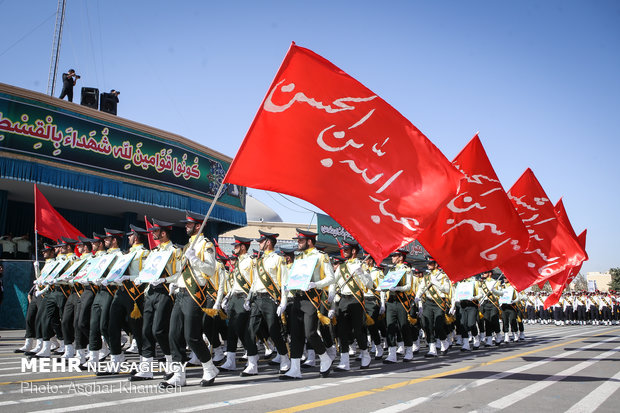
(538, 79)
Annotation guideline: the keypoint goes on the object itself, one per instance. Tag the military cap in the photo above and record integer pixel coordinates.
(133, 228)
(192, 217)
(243, 240)
(265, 235)
(350, 244)
(288, 249)
(67, 241)
(336, 258)
(400, 251)
(113, 233)
(303, 234)
(98, 237)
(430, 259)
(48, 246)
(158, 224)
(84, 240)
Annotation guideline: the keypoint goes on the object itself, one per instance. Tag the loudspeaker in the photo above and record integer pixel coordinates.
(108, 103)
(90, 97)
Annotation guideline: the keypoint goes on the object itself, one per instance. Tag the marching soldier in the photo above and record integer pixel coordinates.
(55, 301)
(100, 310)
(433, 296)
(510, 297)
(81, 340)
(70, 331)
(88, 297)
(469, 311)
(34, 341)
(352, 282)
(238, 306)
(304, 319)
(489, 306)
(158, 306)
(397, 310)
(186, 319)
(268, 302)
(127, 304)
(373, 300)
(214, 324)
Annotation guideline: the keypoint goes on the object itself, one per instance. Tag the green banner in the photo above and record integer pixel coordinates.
(33, 128)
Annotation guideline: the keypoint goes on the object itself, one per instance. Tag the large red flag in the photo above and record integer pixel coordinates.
(552, 249)
(557, 286)
(479, 228)
(48, 222)
(322, 136)
(559, 281)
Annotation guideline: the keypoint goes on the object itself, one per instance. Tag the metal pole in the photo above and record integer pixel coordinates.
(60, 20)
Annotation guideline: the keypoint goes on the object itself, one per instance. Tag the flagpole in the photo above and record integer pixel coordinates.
(36, 234)
(204, 221)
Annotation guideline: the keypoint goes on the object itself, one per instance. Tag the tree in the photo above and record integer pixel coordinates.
(580, 282)
(615, 279)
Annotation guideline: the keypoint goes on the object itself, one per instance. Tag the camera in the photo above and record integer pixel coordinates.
(77, 76)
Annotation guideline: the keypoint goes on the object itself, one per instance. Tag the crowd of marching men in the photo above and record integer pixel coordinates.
(305, 308)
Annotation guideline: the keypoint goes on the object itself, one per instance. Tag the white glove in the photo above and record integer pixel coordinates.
(246, 305)
(280, 310)
(452, 311)
(103, 282)
(331, 296)
(38, 293)
(190, 254)
(311, 285)
(382, 308)
(97, 282)
(393, 288)
(158, 281)
(331, 313)
(173, 288)
(225, 303)
(217, 306)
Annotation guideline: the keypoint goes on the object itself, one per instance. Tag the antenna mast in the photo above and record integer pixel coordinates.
(60, 19)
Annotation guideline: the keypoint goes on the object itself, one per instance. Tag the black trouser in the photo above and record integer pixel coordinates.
(211, 326)
(594, 314)
(531, 312)
(469, 318)
(238, 319)
(31, 315)
(581, 313)
(69, 317)
(509, 318)
(616, 312)
(99, 319)
(186, 327)
(373, 307)
(52, 314)
(434, 321)
(264, 309)
(606, 313)
(304, 323)
(120, 315)
(156, 321)
(558, 314)
(68, 92)
(83, 323)
(351, 318)
(397, 321)
(491, 318)
(568, 313)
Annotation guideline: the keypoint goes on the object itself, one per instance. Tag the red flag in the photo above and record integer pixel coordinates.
(479, 228)
(340, 248)
(559, 281)
(152, 242)
(322, 136)
(218, 249)
(48, 222)
(552, 249)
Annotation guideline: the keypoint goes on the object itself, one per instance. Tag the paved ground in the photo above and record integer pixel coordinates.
(557, 369)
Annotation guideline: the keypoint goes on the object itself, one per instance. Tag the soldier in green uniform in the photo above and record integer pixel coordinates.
(268, 301)
(347, 298)
(304, 319)
(158, 306)
(127, 304)
(397, 310)
(237, 304)
(197, 267)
